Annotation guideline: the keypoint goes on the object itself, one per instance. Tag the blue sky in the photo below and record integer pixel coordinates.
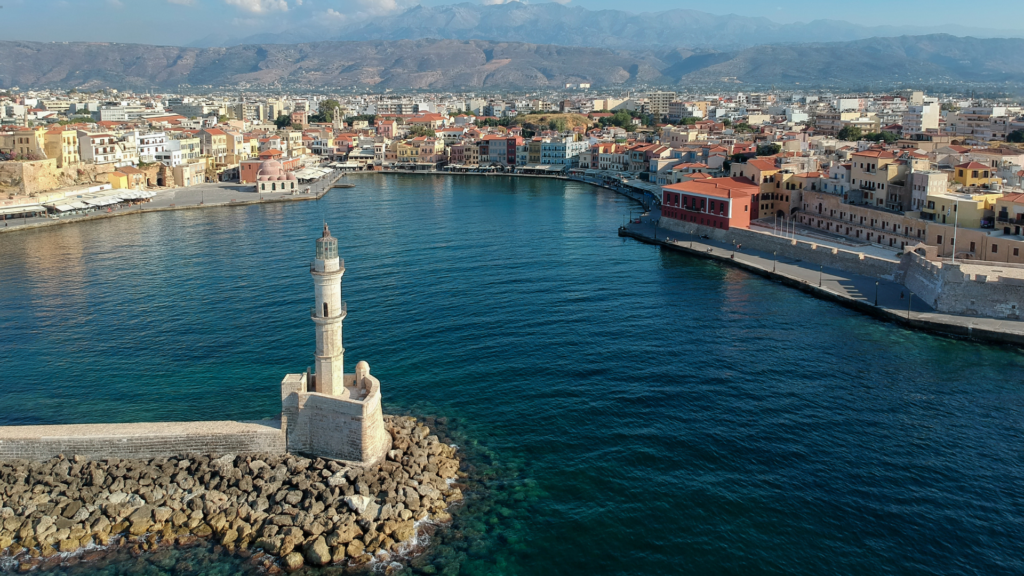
(180, 22)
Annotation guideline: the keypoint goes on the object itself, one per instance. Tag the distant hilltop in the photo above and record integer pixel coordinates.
(453, 64)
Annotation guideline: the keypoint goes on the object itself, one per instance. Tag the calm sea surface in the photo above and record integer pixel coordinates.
(628, 410)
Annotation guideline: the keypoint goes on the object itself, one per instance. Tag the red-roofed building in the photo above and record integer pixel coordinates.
(721, 203)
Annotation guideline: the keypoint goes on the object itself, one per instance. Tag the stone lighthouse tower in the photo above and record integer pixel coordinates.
(331, 414)
(328, 315)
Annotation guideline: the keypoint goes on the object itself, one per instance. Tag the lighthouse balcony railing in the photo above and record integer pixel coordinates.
(341, 265)
(332, 314)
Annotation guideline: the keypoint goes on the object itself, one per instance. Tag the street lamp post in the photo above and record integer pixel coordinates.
(876, 293)
(691, 238)
(821, 270)
(734, 249)
(775, 258)
(910, 302)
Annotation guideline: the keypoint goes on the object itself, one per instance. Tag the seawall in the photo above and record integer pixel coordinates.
(810, 252)
(140, 440)
(978, 329)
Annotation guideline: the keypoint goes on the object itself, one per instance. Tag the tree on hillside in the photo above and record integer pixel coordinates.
(621, 118)
(558, 125)
(1017, 136)
(726, 122)
(421, 130)
(689, 121)
(326, 111)
(369, 118)
(851, 133)
(768, 149)
(884, 136)
(742, 128)
(282, 121)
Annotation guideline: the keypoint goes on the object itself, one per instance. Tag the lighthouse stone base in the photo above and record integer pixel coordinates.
(348, 426)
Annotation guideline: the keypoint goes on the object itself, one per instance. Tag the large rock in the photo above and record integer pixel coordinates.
(292, 562)
(405, 531)
(358, 503)
(318, 554)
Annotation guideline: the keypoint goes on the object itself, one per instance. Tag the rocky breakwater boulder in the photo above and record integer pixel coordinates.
(280, 511)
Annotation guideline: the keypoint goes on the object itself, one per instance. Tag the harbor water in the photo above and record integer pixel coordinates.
(626, 410)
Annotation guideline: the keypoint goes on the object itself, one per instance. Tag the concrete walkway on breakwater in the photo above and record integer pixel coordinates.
(209, 195)
(140, 440)
(852, 290)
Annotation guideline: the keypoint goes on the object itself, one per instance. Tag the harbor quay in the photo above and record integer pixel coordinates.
(209, 195)
(868, 284)
(332, 480)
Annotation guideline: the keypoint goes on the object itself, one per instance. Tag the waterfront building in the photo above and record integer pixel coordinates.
(722, 203)
(270, 176)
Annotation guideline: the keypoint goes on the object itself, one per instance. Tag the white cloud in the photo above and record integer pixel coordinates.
(183, 2)
(260, 6)
(363, 9)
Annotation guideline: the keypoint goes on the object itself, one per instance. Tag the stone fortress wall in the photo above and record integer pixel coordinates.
(140, 440)
(809, 252)
(971, 288)
(348, 428)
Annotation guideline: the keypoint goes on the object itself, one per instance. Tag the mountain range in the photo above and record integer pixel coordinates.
(441, 64)
(552, 23)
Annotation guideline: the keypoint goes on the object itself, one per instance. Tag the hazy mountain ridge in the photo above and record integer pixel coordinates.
(568, 25)
(453, 64)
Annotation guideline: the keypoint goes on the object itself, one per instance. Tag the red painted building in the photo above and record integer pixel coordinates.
(717, 202)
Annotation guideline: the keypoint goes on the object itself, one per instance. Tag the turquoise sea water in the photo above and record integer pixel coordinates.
(627, 410)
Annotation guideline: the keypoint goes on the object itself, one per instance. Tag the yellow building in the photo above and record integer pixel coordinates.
(119, 180)
(974, 174)
(63, 145)
(964, 210)
(24, 143)
(408, 152)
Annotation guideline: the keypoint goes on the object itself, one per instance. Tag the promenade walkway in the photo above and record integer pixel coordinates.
(191, 197)
(881, 298)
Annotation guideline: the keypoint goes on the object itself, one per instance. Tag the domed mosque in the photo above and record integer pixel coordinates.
(272, 177)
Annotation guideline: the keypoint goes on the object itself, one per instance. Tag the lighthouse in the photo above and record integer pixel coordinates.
(330, 414)
(328, 314)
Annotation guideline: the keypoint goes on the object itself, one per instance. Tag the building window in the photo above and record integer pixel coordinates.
(995, 248)
(1016, 251)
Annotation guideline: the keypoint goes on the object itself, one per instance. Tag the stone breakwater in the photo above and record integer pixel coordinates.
(278, 511)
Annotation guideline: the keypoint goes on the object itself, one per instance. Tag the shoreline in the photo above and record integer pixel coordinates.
(302, 198)
(960, 327)
(275, 512)
(198, 206)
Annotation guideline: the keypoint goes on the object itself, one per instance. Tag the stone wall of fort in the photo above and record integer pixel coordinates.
(37, 176)
(970, 289)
